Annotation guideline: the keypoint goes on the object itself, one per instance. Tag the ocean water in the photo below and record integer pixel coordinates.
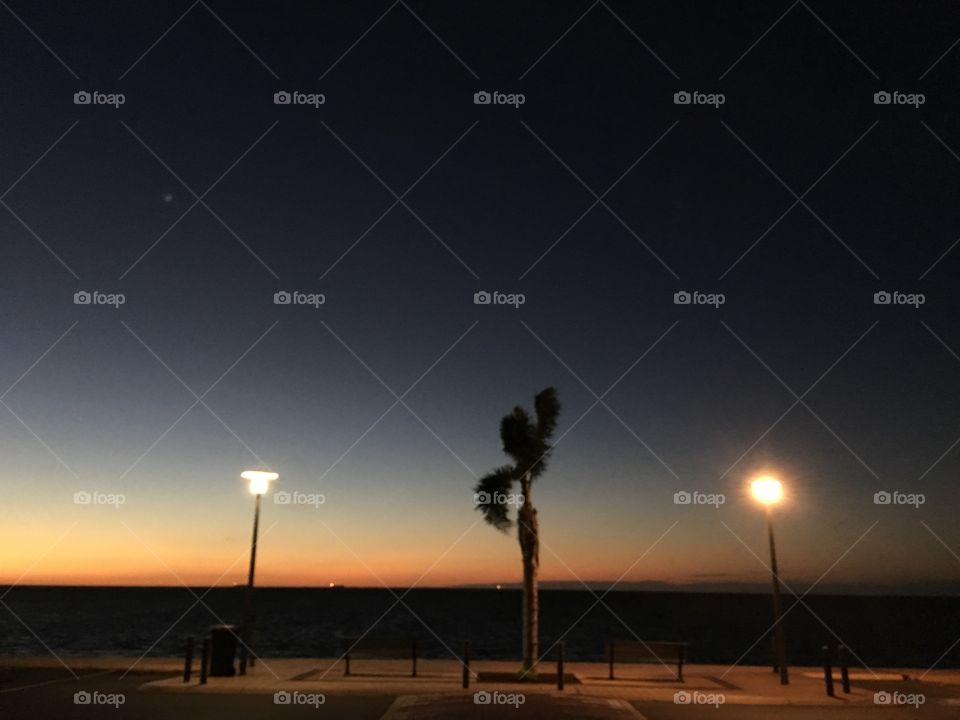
(300, 622)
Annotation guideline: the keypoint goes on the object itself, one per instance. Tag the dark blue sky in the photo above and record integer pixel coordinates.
(502, 199)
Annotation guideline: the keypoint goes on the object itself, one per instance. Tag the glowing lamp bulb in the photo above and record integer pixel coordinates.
(259, 480)
(767, 490)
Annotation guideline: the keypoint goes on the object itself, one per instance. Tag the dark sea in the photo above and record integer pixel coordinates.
(298, 622)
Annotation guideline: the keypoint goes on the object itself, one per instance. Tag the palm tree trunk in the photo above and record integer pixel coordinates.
(528, 532)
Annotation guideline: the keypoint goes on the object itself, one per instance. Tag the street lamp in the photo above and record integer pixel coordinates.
(768, 491)
(259, 483)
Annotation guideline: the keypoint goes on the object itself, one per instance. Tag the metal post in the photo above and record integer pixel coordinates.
(777, 613)
(611, 660)
(188, 660)
(844, 674)
(466, 664)
(560, 666)
(204, 660)
(827, 670)
(246, 629)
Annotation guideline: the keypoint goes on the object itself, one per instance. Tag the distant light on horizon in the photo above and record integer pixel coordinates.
(767, 490)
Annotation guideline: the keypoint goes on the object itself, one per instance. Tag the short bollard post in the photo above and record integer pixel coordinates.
(188, 660)
(827, 670)
(466, 664)
(204, 659)
(844, 670)
(560, 666)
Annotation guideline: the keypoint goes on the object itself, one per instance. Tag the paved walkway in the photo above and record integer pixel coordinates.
(704, 684)
(384, 690)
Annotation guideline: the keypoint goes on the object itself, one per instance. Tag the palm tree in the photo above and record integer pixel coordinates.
(527, 444)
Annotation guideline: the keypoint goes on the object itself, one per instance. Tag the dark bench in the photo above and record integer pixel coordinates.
(636, 651)
(381, 648)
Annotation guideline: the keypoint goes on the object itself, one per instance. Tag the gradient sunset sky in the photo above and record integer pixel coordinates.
(99, 399)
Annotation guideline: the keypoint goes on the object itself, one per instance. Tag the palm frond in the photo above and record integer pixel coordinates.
(519, 437)
(547, 406)
(490, 494)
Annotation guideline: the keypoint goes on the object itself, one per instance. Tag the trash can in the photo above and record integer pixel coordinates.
(223, 648)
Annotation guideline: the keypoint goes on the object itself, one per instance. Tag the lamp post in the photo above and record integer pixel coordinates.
(259, 483)
(768, 491)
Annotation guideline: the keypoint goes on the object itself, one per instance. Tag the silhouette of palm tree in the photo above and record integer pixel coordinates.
(527, 444)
